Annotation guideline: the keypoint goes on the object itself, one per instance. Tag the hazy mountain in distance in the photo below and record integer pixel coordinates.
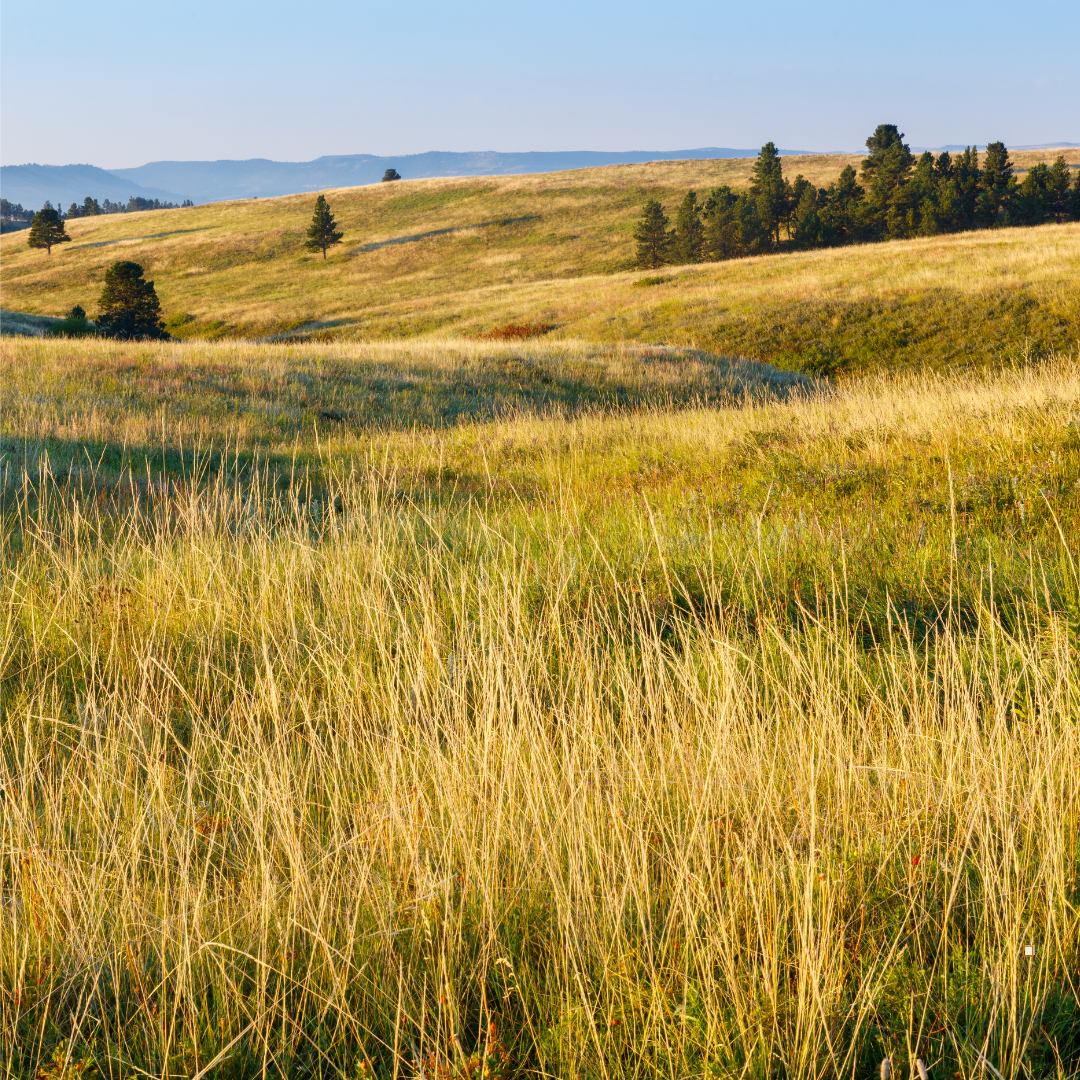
(209, 181)
(957, 148)
(62, 185)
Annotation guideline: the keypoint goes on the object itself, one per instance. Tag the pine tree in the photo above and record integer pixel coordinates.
(885, 171)
(808, 230)
(1059, 187)
(47, 229)
(128, 305)
(390, 174)
(652, 236)
(996, 186)
(323, 232)
(966, 175)
(722, 233)
(1033, 201)
(922, 196)
(689, 238)
(768, 191)
(839, 209)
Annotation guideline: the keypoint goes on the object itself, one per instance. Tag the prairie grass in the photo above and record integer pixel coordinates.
(465, 256)
(633, 738)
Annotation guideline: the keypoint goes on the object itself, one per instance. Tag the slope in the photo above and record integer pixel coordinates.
(207, 181)
(464, 255)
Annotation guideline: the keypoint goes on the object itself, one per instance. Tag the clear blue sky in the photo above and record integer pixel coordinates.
(119, 83)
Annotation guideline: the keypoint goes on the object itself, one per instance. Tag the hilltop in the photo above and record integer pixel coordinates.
(260, 177)
(461, 256)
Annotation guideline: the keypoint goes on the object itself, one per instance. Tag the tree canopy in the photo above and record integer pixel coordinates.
(902, 197)
(689, 238)
(47, 229)
(323, 231)
(128, 306)
(652, 236)
(767, 188)
(390, 174)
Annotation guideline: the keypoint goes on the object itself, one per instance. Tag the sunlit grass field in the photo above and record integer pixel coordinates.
(453, 709)
(460, 256)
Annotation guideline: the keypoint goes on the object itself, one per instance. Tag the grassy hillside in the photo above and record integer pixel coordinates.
(446, 709)
(463, 255)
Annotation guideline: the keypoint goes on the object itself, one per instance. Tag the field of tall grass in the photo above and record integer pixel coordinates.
(709, 722)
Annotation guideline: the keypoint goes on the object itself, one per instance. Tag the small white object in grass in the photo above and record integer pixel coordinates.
(921, 1068)
(1029, 950)
(886, 1069)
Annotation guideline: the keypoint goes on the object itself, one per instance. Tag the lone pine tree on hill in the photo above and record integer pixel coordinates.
(390, 174)
(323, 231)
(128, 304)
(47, 229)
(652, 236)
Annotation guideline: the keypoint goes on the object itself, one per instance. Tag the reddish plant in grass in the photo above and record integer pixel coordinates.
(515, 331)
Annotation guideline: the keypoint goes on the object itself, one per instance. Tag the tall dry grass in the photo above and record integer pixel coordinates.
(349, 779)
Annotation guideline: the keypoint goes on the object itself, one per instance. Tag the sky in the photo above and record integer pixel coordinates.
(120, 83)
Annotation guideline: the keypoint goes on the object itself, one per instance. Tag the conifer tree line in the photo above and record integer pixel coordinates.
(91, 207)
(14, 211)
(899, 196)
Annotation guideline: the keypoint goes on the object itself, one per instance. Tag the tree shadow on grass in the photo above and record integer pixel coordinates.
(147, 236)
(375, 245)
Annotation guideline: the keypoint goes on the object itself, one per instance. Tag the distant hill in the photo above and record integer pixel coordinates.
(213, 181)
(32, 185)
(958, 148)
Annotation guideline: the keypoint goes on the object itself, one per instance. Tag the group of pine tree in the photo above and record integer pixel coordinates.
(899, 197)
(92, 208)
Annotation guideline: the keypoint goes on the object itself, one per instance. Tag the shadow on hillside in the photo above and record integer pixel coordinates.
(23, 324)
(361, 396)
(443, 232)
(147, 236)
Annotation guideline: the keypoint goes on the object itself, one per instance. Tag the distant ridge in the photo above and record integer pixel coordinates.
(957, 148)
(212, 181)
(215, 181)
(33, 185)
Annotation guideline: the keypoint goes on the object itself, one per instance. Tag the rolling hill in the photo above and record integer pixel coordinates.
(464, 255)
(210, 181)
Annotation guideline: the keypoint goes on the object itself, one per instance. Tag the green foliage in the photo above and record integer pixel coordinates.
(768, 191)
(654, 240)
(389, 175)
(807, 228)
(180, 325)
(74, 324)
(733, 226)
(128, 305)
(885, 171)
(688, 243)
(47, 229)
(89, 208)
(902, 198)
(323, 231)
(996, 186)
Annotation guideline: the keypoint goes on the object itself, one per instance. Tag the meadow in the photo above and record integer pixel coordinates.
(443, 708)
(460, 257)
